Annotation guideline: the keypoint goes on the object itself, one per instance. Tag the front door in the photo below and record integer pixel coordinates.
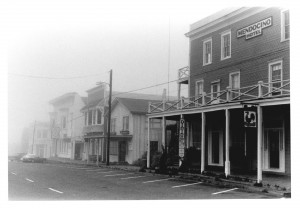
(215, 148)
(274, 150)
(122, 151)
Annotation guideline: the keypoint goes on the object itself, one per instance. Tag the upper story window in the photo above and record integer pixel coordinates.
(93, 116)
(99, 116)
(199, 88)
(275, 77)
(113, 125)
(64, 122)
(86, 118)
(225, 45)
(234, 84)
(207, 52)
(90, 117)
(215, 89)
(285, 25)
(126, 123)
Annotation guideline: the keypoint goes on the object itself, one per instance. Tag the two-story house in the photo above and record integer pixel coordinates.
(128, 139)
(39, 139)
(66, 124)
(238, 110)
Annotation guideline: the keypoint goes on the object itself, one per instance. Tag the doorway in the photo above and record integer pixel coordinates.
(122, 151)
(215, 148)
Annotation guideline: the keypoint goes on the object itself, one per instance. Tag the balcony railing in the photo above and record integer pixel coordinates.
(183, 74)
(258, 91)
(93, 128)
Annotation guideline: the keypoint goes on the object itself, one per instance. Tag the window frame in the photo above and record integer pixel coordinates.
(209, 40)
(218, 82)
(126, 126)
(283, 32)
(270, 73)
(225, 33)
(113, 125)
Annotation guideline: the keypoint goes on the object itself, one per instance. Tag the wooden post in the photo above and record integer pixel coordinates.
(88, 151)
(148, 147)
(260, 89)
(202, 142)
(97, 140)
(163, 139)
(227, 159)
(259, 144)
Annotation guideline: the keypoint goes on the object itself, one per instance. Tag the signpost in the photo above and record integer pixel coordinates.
(181, 138)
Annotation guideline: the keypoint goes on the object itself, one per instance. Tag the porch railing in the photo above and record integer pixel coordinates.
(259, 91)
(183, 74)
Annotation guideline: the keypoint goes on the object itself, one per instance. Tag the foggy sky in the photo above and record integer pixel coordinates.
(73, 40)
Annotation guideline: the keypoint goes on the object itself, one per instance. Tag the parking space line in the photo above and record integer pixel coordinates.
(157, 180)
(106, 172)
(29, 180)
(133, 177)
(55, 190)
(13, 173)
(224, 191)
(190, 184)
(118, 174)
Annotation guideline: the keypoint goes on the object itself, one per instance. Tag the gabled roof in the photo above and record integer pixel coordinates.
(139, 106)
(62, 97)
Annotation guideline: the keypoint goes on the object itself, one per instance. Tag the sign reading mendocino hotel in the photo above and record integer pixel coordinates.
(255, 29)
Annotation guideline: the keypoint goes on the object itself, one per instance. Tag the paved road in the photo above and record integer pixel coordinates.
(34, 181)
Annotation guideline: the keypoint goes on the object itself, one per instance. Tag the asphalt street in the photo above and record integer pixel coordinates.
(45, 181)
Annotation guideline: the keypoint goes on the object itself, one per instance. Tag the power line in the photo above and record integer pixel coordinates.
(46, 77)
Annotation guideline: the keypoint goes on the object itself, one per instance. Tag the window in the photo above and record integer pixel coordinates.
(199, 90)
(285, 25)
(93, 117)
(225, 45)
(207, 52)
(86, 118)
(64, 122)
(113, 148)
(113, 125)
(234, 83)
(90, 115)
(45, 133)
(126, 123)
(215, 89)
(275, 77)
(99, 116)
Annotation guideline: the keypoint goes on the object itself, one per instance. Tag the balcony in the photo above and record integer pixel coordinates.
(93, 128)
(259, 91)
(183, 75)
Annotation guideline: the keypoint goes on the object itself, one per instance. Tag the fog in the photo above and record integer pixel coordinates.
(53, 50)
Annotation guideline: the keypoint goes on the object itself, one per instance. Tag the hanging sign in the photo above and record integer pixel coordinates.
(255, 29)
(181, 138)
(249, 116)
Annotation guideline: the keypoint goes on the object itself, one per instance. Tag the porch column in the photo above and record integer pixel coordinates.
(88, 151)
(259, 144)
(178, 95)
(227, 159)
(97, 146)
(148, 147)
(202, 142)
(163, 138)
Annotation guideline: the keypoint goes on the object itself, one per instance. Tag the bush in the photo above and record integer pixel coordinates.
(141, 162)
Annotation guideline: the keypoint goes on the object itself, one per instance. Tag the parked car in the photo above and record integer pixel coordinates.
(33, 158)
(16, 157)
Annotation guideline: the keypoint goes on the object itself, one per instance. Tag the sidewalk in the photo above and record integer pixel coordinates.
(274, 184)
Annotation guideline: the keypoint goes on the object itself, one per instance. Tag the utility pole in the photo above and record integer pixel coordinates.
(109, 118)
(33, 137)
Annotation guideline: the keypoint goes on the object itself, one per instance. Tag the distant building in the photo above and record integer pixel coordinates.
(238, 110)
(39, 139)
(66, 124)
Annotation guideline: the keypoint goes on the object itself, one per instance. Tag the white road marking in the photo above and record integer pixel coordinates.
(156, 180)
(56, 190)
(13, 173)
(224, 191)
(106, 172)
(134, 177)
(118, 174)
(190, 184)
(29, 180)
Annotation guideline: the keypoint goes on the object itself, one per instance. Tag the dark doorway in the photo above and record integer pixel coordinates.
(122, 151)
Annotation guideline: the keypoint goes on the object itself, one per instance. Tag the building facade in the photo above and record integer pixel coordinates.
(66, 124)
(128, 141)
(39, 139)
(238, 110)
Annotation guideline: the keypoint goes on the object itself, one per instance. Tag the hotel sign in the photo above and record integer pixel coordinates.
(255, 29)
